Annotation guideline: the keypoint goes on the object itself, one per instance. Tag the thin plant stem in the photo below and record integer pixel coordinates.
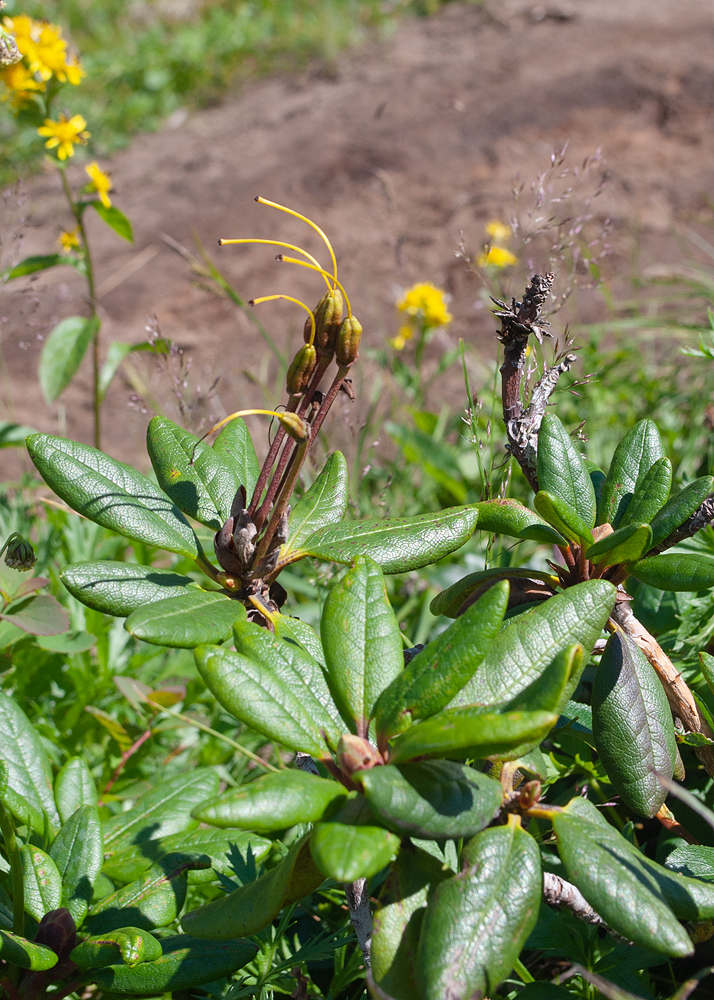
(7, 828)
(136, 745)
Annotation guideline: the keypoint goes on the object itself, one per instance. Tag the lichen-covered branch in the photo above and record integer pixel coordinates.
(701, 518)
(357, 895)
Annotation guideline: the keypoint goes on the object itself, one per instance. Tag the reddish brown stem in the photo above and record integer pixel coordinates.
(270, 459)
(124, 758)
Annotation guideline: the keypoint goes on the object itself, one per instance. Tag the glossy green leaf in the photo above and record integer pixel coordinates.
(111, 493)
(42, 882)
(28, 792)
(509, 517)
(352, 844)
(78, 852)
(693, 860)
(471, 732)
(63, 352)
(362, 642)
(676, 571)
(563, 517)
(450, 601)
(131, 945)
(527, 645)
(477, 921)
(38, 614)
(549, 692)
(323, 504)
(706, 665)
(199, 480)
(272, 802)
(627, 544)
(235, 445)
(74, 787)
(632, 725)
(436, 674)
(186, 621)
(398, 918)
(562, 472)
(634, 456)
(679, 507)
(185, 963)
(436, 799)
(115, 219)
(154, 900)
(25, 954)
(164, 810)
(299, 632)
(397, 544)
(118, 588)
(264, 700)
(651, 494)
(297, 669)
(252, 907)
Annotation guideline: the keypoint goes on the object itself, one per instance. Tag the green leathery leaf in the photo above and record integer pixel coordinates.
(130, 944)
(706, 665)
(297, 668)
(622, 893)
(252, 907)
(112, 494)
(675, 571)
(78, 852)
(199, 480)
(264, 700)
(300, 633)
(431, 800)
(118, 588)
(634, 456)
(397, 920)
(162, 811)
(185, 963)
(437, 673)
(28, 792)
(471, 732)
(397, 544)
(650, 495)
(41, 880)
(153, 900)
(528, 644)
(562, 516)
(74, 787)
(506, 516)
(680, 507)
(272, 802)
(25, 954)
(352, 844)
(692, 860)
(235, 445)
(549, 692)
(362, 642)
(628, 543)
(63, 352)
(632, 725)
(450, 601)
(476, 922)
(562, 471)
(186, 621)
(323, 504)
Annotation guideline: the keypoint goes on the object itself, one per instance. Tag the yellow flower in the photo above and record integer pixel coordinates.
(400, 341)
(499, 232)
(69, 240)
(428, 303)
(65, 134)
(497, 257)
(44, 49)
(20, 83)
(101, 182)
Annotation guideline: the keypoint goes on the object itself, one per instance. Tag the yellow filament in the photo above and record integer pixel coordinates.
(304, 263)
(288, 298)
(232, 416)
(279, 243)
(290, 211)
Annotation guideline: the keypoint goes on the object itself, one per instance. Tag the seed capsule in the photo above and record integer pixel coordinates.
(300, 370)
(328, 314)
(19, 555)
(348, 338)
(294, 426)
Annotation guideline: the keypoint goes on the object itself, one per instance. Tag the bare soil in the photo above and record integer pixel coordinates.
(395, 150)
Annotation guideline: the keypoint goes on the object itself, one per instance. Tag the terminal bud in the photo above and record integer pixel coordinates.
(348, 338)
(300, 370)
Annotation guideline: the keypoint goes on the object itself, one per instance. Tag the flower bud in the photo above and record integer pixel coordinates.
(300, 370)
(357, 754)
(19, 555)
(294, 426)
(328, 314)
(348, 338)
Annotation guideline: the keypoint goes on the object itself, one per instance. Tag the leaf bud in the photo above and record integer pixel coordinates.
(328, 314)
(357, 754)
(294, 426)
(348, 338)
(300, 370)
(19, 555)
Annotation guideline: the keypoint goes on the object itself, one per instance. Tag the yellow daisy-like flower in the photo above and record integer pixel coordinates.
(65, 134)
(44, 48)
(101, 182)
(427, 302)
(497, 257)
(19, 83)
(400, 341)
(69, 240)
(498, 231)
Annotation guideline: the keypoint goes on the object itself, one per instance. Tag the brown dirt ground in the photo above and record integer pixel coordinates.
(395, 150)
